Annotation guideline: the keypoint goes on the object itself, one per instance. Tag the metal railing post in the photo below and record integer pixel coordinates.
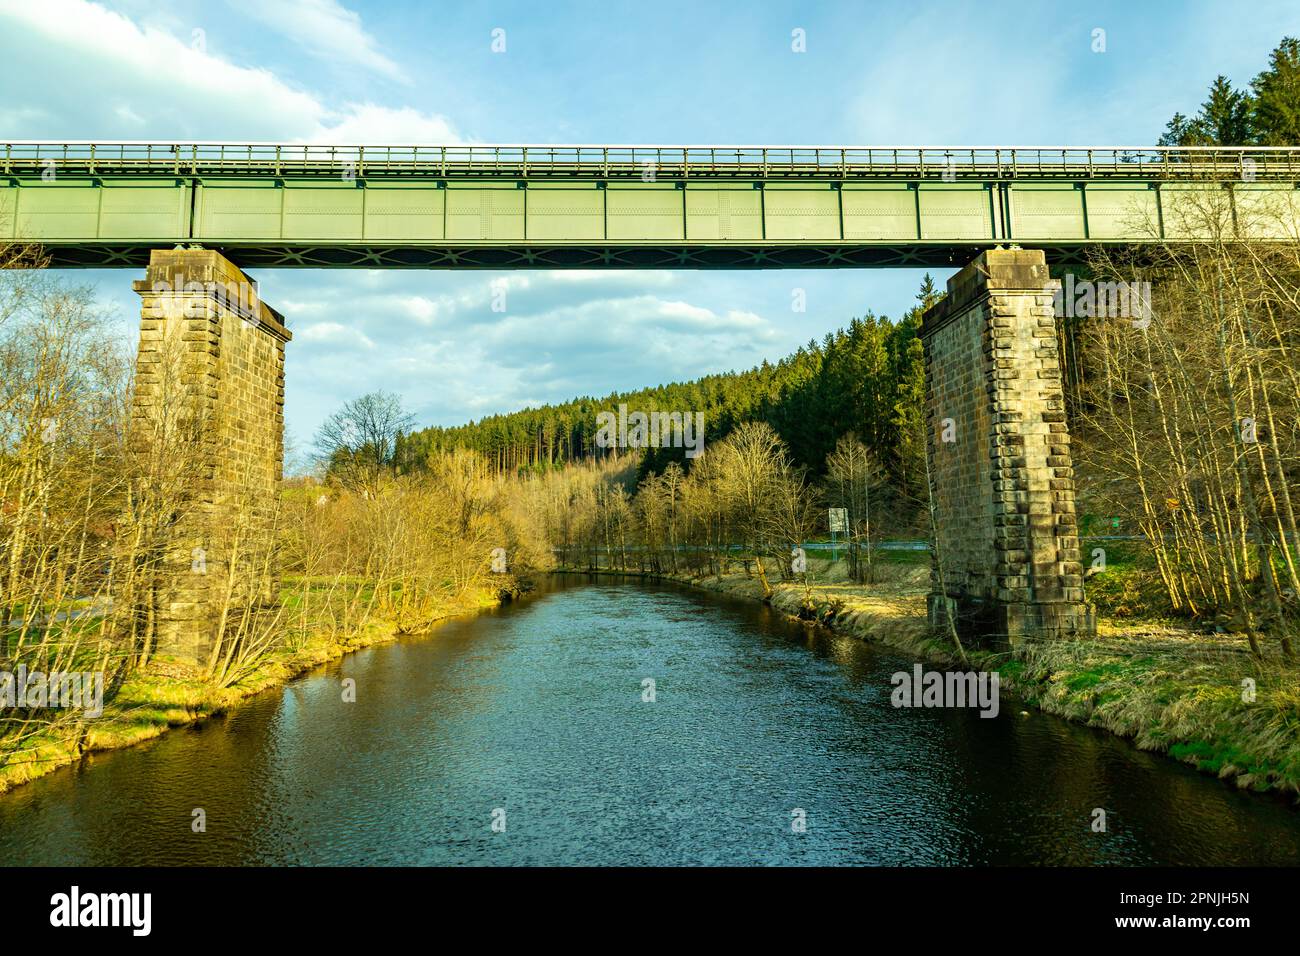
(835, 163)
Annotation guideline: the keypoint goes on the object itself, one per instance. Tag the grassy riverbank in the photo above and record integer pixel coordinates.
(168, 693)
(1165, 686)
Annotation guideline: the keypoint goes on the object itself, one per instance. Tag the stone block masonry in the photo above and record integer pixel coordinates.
(1007, 559)
(208, 436)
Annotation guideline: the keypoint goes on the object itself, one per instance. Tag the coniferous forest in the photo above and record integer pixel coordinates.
(867, 378)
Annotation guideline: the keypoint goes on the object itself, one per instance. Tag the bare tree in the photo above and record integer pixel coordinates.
(62, 382)
(1190, 415)
(357, 443)
(853, 478)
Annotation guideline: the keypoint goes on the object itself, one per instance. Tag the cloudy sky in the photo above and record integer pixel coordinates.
(983, 73)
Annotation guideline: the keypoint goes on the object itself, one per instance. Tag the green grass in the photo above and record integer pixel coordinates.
(917, 558)
(1129, 588)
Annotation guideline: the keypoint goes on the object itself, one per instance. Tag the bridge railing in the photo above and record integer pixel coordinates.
(646, 162)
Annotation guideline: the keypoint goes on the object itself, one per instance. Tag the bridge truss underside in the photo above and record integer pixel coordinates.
(318, 255)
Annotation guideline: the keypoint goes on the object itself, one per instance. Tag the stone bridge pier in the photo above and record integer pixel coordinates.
(208, 443)
(1007, 558)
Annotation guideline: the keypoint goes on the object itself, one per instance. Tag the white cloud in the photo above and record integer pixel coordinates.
(148, 82)
(742, 319)
(117, 50)
(334, 333)
(324, 29)
(366, 124)
(686, 313)
(18, 117)
(434, 339)
(423, 310)
(639, 278)
(128, 115)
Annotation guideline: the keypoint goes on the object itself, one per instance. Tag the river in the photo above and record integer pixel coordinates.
(532, 718)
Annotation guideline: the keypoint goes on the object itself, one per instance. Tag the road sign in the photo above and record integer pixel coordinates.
(839, 519)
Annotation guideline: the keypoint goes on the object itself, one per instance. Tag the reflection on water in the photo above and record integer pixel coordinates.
(537, 710)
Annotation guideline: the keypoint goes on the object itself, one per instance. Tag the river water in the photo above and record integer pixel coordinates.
(533, 718)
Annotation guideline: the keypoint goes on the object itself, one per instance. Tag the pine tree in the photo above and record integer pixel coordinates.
(1275, 108)
(1268, 114)
(1225, 115)
(1181, 131)
(1224, 120)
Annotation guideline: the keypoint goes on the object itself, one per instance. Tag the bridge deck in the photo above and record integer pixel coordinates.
(103, 204)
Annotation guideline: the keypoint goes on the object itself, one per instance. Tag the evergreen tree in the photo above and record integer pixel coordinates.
(1266, 115)
(1224, 120)
(1275, 109)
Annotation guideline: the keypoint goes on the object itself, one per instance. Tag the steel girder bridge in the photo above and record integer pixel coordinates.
(506, 207)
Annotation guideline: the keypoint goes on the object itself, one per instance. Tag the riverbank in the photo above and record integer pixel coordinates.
(168, 693)
(1164, 687)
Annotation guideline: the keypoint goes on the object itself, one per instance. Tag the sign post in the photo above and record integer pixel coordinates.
(839, 521)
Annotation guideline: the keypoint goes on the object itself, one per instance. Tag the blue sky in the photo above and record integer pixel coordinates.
(347, 71)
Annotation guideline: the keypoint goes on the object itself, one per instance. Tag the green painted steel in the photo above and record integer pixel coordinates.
(95, 204)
